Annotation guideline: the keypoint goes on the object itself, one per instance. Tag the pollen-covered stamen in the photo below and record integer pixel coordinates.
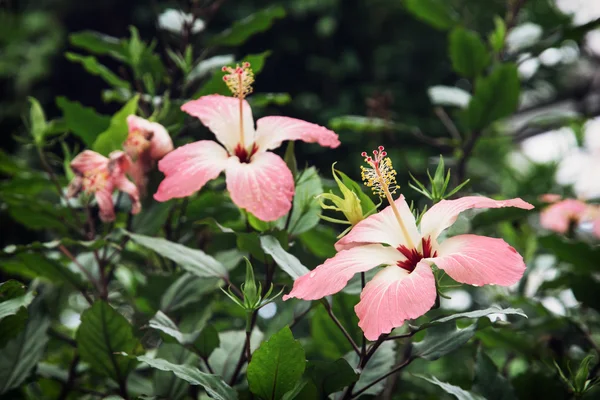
(239, 80)
(381, 178)
(94, 180)
(413, 256)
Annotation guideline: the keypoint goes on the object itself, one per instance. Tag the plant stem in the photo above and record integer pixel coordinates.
(398, 368)
(340, 326)
(68, 385)
(87, 273)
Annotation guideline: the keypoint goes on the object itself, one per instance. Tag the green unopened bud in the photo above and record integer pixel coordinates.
(349, 204)
(249, 289)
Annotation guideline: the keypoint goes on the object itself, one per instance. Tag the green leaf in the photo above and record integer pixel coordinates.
(34, 265)
(496, 96)
(242, 30)
(43, 246)
(102, 333)
(473, 314)
(468, 53)
(84, 122)
(167, 385)
(215, 84)
(20, 355)
(441, 340)
(288, 263)
(488, 382)
(194, 261)
(163, 323)
(37, 121)
(213, 384)
(456, 391)
(276, 366)
(231, 344)
(380, 364)
(99, 43)
(436, 13)
(306, 209)
(290, 158)
(360, 124)
(498, 35)
(267, 99)
(320, 241)
(581, 255)
(91, 65)
(116, 133)
(186, 290)
(13, 297)
(329, 377)
(207, 341)
(305, 389)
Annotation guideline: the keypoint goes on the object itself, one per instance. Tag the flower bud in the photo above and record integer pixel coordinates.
(349, 204)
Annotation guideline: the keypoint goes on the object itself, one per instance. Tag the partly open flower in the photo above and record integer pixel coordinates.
(580, 168)
(100, 176)
(146, 143)
(257, 179)
(405, 287)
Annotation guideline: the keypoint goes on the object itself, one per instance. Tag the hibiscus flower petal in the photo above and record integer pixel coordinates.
(443, 214)
(559, 216)
(333, 275)
(394, 296)
(264, 186)
(160, 142)
(272, 131)
(126, 186)
(479, 260)
(221, 114)
(383, 227)
(189, 167)
(105, 204)
(88, 161)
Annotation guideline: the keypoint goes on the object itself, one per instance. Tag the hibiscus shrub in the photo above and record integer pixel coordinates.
(180, 250)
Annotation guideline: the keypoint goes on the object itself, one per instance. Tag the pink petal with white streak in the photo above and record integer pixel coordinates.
(160, 143)
(383, 227)
(272, 131)
(559, 216)
(221, 114)
(479, 260)
(394, 296)
(443, 214)
(189, 167)
(333, 275)
(264, 186)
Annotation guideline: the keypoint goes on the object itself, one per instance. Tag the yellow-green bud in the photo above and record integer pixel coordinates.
(349, 204)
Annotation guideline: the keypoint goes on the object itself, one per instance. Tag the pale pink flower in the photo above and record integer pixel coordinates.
(257, 179)
(146, 143)
(100, 176)
(405, 287)
(559, 216)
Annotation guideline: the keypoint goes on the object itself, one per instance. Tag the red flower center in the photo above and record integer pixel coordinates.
(243, 154)
(413, 256)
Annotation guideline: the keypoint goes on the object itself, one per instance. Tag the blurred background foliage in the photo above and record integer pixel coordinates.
(379, 72)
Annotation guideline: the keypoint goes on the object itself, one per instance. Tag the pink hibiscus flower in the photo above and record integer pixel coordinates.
(405, 287)
(146, 143)
(559, 216)
(100, 176)
(257, 179)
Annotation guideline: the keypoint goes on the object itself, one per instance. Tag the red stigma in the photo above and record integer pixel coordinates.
(243, 154)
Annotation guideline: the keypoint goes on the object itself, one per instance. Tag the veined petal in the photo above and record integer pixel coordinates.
(333, 275)
(189, 167)
(126, 186)
(264, 186)
(383, 227)
(221, 114)
(105, 203)
(88, 161)
(394, 296)
(479, 260)
(443, 214)
(272, 131)
(559, 216)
